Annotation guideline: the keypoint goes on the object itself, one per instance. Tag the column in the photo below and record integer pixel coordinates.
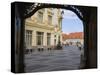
(52, 39)
(57, 38)
(45, 39)
(34, 38)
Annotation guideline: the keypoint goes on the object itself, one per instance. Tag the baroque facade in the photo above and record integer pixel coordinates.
(43, 30)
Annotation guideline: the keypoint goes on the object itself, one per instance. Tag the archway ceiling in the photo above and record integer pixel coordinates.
(28, 9)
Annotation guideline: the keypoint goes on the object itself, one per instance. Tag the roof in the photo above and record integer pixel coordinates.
(75, 35)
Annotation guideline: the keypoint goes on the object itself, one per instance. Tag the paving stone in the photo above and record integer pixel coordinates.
(66, 59)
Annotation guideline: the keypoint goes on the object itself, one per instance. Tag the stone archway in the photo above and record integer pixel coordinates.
(87, 14)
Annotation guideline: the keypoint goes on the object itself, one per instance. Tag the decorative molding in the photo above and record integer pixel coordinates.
(33, 7)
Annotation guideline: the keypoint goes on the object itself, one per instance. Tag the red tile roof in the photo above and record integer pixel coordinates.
(75, 35)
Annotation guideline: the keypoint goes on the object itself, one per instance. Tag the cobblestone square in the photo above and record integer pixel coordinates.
(53, 60)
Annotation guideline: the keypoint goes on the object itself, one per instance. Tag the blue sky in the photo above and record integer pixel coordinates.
(71, 22)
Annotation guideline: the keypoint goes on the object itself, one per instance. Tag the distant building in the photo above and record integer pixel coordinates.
(64, 37)
(73, 38)
(43, 29)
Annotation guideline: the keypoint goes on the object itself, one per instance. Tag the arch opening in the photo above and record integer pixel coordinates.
(43, 36)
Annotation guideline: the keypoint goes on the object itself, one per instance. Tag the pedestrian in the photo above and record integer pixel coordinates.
(79, 46)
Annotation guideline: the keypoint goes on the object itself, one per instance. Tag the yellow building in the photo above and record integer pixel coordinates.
(43, 29)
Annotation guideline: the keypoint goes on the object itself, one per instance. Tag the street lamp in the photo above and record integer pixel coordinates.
(59, 46)
(59, 43)
(56, 28)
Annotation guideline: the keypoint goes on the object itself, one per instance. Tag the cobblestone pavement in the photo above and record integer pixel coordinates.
(53, 60)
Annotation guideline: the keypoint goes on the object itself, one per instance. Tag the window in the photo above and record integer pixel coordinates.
(55, 36)
(40, 17)
(48, 38)
(51, 9)
(39, 38)
(49, 19)
(54, 41)
(28, 38)
(42, 10)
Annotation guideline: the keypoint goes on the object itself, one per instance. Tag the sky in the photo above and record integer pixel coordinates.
(71, 22)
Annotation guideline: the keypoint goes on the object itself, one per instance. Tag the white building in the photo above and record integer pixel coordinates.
(43, 29)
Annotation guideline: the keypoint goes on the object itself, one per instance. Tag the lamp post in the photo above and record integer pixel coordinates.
(59, 46)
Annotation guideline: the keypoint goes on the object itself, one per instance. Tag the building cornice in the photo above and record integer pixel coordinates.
(38, 25)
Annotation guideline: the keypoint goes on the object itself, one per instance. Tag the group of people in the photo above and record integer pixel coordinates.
(78, 44)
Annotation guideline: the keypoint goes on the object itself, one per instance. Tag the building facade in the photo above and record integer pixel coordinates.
(73, 38)
(43, 29)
